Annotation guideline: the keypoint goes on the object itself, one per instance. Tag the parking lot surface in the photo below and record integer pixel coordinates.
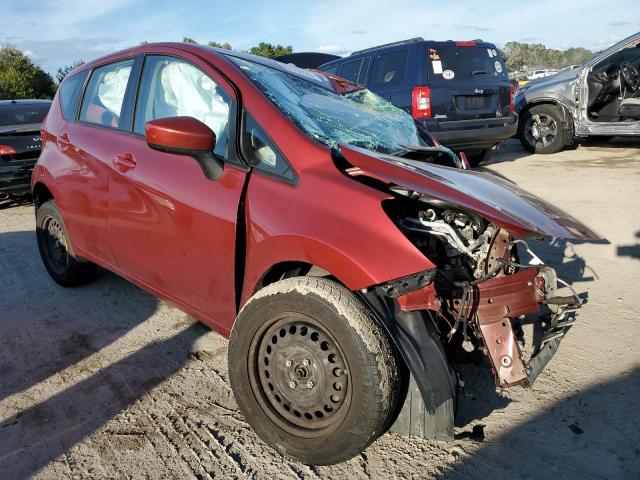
(106, 381)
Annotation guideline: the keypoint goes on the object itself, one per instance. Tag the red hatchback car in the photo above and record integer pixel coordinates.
(309, 220)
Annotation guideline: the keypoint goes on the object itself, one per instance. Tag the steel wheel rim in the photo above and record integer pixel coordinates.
(277, 358)
(541, 130)
(55, 244)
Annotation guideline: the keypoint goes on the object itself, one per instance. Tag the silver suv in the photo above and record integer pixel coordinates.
(598, 100)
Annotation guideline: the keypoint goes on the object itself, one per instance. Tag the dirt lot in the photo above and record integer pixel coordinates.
(107, 381)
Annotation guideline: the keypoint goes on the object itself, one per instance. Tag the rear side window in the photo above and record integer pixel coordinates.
(103, 98)
(70, 93)
(23, 114)
(446, 63)
(351, 70)
(332, 69)
(389, 69)
(260, 152)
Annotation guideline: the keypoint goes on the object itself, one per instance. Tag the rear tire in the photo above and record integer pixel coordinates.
(540, 129)
(55, 249)
(288, 351)
(476, 159)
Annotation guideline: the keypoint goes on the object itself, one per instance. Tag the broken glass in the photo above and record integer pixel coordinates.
(358, 117)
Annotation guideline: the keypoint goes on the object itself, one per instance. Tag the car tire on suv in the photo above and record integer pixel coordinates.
(55, 248)
(540, 129)
(312, 371)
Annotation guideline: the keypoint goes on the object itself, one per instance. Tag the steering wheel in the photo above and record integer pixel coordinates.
(630, 75)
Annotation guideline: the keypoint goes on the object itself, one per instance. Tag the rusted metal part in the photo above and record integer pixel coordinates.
(422, 299)
(504, 353)
(506, 296)
(493, 304)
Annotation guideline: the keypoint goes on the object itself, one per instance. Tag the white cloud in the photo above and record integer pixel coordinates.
(334, 49)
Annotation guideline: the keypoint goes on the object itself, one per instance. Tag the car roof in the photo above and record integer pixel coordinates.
(405, 43)
(34, 101)
(317, 77)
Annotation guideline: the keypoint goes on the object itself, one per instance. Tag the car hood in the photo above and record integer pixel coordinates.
(559, 77)
(489, 196)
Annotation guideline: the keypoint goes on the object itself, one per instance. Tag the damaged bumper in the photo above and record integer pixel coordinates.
(499, 300)
(495, 307)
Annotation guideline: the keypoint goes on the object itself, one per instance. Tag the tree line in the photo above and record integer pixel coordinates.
(21, 78)
(519, 56)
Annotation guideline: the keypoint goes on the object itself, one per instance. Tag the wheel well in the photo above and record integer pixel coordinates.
(567, 118)
(41, 194)
(284, 270)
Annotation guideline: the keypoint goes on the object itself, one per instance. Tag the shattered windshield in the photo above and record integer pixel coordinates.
(358, 117)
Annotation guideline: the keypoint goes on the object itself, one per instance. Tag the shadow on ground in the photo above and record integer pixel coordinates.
(632, 251)
(592, 434)
(46, 329)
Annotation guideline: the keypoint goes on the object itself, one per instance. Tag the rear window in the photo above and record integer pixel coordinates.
(20, 114)
(389, 69)
(70, 93)
(452, 62)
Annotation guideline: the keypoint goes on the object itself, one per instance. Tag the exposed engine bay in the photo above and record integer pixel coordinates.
(480, 292)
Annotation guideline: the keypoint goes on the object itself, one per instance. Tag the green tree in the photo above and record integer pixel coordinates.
(64, 71)
(519, 55)
(20, 78)
(225, 45)
(188, 40)
(268, 50)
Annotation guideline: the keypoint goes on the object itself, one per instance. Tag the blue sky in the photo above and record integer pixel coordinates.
(59, 32)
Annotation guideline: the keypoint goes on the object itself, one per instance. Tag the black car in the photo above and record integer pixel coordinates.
(20, 143)
(458, 91)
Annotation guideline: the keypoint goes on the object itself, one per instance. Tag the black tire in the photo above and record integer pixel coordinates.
(540, 129)
(477, 158)
(266, 348)
(55, 248)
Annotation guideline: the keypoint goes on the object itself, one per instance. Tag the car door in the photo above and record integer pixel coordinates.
(85, 154)
(170, 227)
(387, 78)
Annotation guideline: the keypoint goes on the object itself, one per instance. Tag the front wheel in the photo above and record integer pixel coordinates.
(311, 370)
(540, 129)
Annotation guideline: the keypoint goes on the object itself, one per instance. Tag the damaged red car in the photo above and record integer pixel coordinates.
(347, 255)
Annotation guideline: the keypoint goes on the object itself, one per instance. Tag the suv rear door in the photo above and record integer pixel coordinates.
(468, 81)
(388, 77)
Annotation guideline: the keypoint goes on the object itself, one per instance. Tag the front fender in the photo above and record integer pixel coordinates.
(330, 221)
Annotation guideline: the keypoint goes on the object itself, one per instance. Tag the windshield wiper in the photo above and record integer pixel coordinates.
(479, 72)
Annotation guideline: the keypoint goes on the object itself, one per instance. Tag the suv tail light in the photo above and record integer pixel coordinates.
(465, 44)
(512, 104)
(421, 102)
(6, 150)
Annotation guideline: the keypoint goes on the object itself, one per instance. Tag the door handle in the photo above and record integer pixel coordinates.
(63, 141)
(124, 161)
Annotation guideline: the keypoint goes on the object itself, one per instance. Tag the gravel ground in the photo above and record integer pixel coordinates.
(106, 381)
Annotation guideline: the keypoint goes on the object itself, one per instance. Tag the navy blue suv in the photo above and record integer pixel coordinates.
(458, 91)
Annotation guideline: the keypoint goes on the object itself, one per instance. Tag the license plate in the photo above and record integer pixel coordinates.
(476, 103)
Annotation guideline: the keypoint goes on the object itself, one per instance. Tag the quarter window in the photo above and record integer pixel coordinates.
(69, 94)
(102, 103)
(261, 153)
(389, 69)
(350, 70)
(171, 87)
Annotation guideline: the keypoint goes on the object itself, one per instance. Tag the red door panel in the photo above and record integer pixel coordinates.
(175, 230)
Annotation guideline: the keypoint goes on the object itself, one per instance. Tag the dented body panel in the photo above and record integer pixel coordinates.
(518, 211)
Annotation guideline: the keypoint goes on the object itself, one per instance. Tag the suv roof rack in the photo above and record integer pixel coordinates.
(400, 42)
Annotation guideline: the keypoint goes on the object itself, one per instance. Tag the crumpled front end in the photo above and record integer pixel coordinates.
(487, 284)
(482, 305)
